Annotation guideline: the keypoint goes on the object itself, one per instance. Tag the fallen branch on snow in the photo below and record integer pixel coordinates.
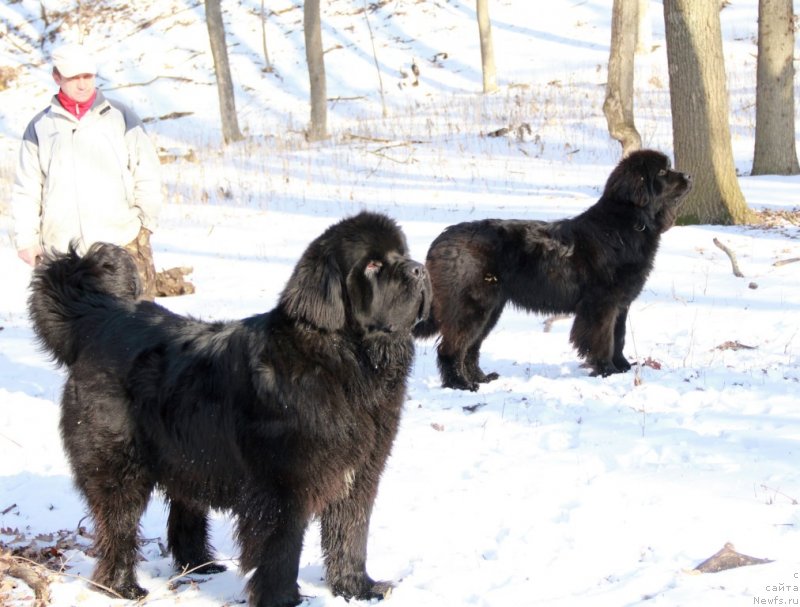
(734, 345)
(732, 256)
(27, 573)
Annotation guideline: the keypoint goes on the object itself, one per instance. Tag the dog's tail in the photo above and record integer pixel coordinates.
(66, 287)
(426, 328)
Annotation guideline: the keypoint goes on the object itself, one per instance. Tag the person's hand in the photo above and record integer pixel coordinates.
(30, 255)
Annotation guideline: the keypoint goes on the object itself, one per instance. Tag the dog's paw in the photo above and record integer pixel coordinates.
(380, 590)
(621, 363)
(367, 591)
(290, 598)
(211, 568)
(461, 384)
(130, 591)
(604, 369)
(362, 588)
(119, 583)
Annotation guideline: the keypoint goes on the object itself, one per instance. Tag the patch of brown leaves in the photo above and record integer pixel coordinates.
(45, 549)
(8, 76)
(784, 221)
(728, 558)
(779, 218)
(31, 559)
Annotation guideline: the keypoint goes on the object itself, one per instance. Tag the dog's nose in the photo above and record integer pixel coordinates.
(415, 270)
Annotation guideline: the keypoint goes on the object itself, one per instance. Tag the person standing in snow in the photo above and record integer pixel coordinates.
(87, 172)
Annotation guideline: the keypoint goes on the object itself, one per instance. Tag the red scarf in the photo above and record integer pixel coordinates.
(75, 108)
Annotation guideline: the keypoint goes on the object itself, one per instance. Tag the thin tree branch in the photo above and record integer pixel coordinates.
(732, 256)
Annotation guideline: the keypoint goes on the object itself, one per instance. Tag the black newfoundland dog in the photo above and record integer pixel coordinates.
(593, 265)
(277, 418)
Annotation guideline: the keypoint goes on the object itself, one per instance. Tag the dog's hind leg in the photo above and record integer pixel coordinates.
(451, 369)
(110, 475)
(459, 349)
(117, 500)
(472, 366)
(187, 537)
(451, 352)
(471, 359)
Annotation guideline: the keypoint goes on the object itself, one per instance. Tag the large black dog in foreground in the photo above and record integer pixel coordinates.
(594, 265)
(278, 418)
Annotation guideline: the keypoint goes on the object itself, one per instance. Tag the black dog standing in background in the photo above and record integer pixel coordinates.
(593, 265)
(278, 418)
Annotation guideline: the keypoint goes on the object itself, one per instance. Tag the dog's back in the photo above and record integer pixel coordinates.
(68, 287)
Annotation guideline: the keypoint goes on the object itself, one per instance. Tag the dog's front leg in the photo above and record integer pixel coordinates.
(592, 335)
(345, 527)
(619, 360)
(270, 532)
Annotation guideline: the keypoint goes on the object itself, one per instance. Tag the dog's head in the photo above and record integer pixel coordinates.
(358, 275)
(646, 180)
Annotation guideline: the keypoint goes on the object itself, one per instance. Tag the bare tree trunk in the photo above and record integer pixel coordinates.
(375, 57)
(644, 29)
(775, 148)
(618, 106)
(268, 66)
(312, 28)
(219, 51)
(487, 47)
(700, 113)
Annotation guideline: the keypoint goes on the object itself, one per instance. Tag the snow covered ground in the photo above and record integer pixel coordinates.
(546, 487)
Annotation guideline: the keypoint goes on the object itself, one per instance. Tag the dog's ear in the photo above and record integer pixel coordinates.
(314, 292)
(654, 167)
(649, 195)
(642, 194)
(635, 178)
(629, 183)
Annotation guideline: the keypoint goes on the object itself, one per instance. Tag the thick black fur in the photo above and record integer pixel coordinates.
(593, 265)
(277, 418)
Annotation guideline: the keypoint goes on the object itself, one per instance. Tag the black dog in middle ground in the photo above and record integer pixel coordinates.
(278, 418)
(593, 265)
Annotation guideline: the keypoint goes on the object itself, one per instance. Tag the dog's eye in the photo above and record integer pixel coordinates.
(373, 267)
(662, 172)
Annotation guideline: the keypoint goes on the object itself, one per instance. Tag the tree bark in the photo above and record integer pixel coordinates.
(618, 106)
(222, 70)
(700, 113)
(375, 58)
(644, 29)
(487, 47)
(312, 28)
(775, 148)
(268, 63)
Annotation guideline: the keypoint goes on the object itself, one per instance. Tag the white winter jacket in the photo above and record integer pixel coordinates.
(93, 179)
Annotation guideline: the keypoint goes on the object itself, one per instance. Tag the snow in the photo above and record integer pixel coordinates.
(546, 487)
